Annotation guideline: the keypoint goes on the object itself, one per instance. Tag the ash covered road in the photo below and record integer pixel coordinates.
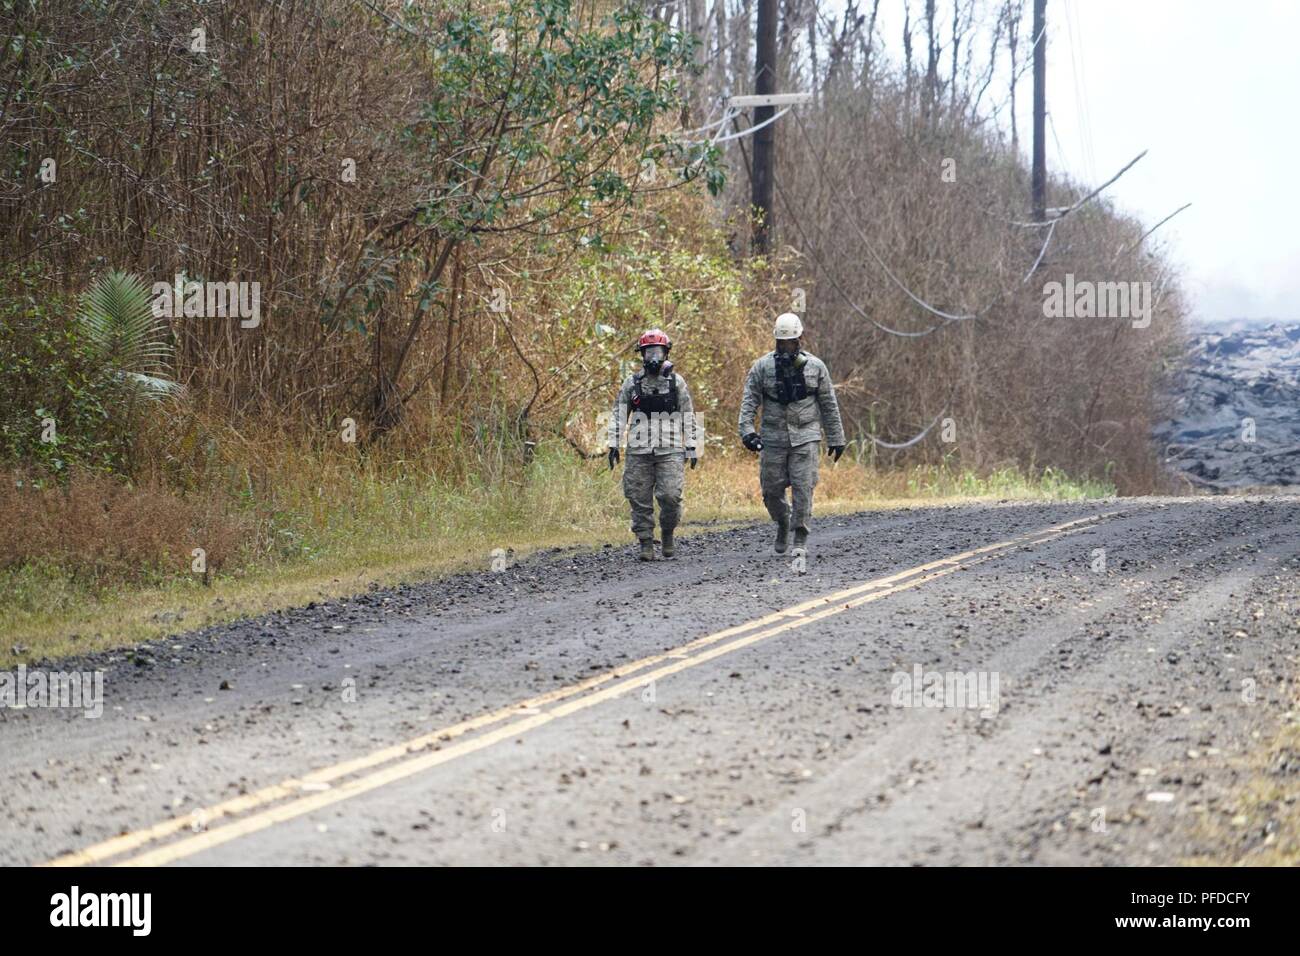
(584, 708)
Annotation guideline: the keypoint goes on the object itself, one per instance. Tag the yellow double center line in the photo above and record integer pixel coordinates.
(298, 796)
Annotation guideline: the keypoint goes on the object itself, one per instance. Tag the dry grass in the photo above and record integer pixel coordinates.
(101, 531)
(1259, 823)
(323, 525)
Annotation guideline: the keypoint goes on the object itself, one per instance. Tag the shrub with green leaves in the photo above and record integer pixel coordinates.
(49, 384)
(128, 341)
(72, 385)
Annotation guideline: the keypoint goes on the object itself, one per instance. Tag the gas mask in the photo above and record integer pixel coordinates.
(790, 384)
(790, 361)
(654, 358)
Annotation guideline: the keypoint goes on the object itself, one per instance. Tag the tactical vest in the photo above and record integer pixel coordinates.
(790, 384)
(651, 402)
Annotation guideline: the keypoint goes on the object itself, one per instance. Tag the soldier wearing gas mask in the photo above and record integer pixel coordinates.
(798, 402)
(654, 413)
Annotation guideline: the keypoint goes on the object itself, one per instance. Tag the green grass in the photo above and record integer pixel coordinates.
(943, 482)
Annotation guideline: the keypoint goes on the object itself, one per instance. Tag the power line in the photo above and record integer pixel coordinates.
(817, 262)
(920, 435)
(1081, 89)
(1086, 199)
(867, 242)
(947, 317)
(1042, 252)
(1144, 235)
(1060, 151)
(751, 129)
(831, 278)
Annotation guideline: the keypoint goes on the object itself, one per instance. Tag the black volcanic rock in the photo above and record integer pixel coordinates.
(1231, 377)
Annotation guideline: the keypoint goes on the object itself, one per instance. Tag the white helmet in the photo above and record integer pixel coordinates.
(788, 326)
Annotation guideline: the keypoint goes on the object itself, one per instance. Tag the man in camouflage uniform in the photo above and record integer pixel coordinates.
(798, 401)
(654, 411)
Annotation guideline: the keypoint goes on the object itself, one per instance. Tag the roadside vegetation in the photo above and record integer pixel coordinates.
(328, 528)
(459, 217)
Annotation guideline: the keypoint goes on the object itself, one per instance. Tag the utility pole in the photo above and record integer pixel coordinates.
(1040, 111)
(765, 139)
(697, 25)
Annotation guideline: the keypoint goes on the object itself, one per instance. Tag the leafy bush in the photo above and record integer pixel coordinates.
(74, 387)
(57, 409)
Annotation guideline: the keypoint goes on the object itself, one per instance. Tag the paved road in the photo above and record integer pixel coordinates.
(965, 685)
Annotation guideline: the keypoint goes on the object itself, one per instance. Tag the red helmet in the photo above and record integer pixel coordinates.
(654, 337)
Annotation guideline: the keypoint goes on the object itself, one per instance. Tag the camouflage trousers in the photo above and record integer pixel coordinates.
(650, 478)
(795, 468)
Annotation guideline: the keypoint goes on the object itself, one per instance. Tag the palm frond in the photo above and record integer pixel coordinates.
(117, 314)
(131, 342)
(152, 386)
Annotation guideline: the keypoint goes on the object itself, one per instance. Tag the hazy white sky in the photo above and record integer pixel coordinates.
(1212, 89)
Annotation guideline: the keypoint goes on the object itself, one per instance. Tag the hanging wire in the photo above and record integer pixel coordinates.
(816, 260)
(728, 115)
(707, 126)
(821, 173)
(1085, 200)
(896, 446)
(1042, 252)
(753, 129)
(1143, 237)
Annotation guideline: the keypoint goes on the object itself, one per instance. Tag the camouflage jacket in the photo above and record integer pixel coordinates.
(660, 433)
(799, 421)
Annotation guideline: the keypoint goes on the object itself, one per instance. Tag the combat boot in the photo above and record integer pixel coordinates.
(647, 549)
(801, 537)
(782, 543)
(668, 546)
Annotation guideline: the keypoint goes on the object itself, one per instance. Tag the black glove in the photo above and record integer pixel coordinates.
(836, 451)
(692, 458)
(613, 458)
(752, 442)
